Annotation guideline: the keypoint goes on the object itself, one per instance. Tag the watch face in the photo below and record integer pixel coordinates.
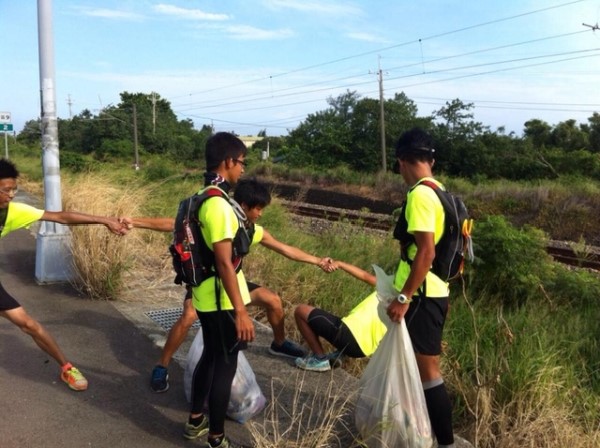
(402, 298)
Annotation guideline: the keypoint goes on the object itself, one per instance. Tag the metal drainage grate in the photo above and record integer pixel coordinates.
(166, 318)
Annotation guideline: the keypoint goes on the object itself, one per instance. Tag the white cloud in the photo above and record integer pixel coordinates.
(246, 32)
(112, 14)
(366, 37)
(188, 14)
(317, 7)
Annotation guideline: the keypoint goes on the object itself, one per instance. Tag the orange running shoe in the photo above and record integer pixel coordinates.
(73, 377)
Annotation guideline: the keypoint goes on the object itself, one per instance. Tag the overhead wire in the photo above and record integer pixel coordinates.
(277, 94)
(380, 50)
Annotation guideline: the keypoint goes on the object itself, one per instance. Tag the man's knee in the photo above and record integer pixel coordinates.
(267, 299)
(29, 325)
(189, 315)
(302, 311)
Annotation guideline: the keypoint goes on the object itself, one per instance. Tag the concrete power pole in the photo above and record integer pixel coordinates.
(52, 258)
(70, 103)
(382, 119)
(153, 113)
(135, 139)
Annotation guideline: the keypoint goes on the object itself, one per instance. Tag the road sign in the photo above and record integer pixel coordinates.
(5, 117)
(6, 127)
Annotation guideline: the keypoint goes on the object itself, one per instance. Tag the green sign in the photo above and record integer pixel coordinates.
(6, 127)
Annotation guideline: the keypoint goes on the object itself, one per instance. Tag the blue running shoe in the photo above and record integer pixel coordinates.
(160, 379)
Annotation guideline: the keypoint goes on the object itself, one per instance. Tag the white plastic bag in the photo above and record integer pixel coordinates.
(391, 411)
(246, 399)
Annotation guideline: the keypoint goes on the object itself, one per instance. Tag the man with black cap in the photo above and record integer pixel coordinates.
(423, 298)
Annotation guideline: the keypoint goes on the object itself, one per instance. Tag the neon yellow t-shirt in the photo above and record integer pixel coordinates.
(259, 232)
(365, 325)
(218, 222)
(19, 216)
(424, 213)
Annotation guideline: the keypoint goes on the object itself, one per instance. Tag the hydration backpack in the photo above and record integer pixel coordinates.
(454, 247)
(193, 261)
(3, 216)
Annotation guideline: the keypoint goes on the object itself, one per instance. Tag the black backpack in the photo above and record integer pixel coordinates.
(454, 247)
(193, 261)
(3, 216)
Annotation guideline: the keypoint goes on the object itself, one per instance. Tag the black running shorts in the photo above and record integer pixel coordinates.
(7, 302)
(425, 320)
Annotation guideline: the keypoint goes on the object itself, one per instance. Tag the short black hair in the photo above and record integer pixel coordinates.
(252, 193)
(222, 146)
(415, 145)
(8, 170)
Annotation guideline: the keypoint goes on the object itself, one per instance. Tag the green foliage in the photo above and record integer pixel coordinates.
(20, 149)
(113, 150)
(74, 162)
(158, 170)
(515, 258)
(347, 133)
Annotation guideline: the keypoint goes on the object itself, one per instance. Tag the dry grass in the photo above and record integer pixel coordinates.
(323, 421)
(101, 258)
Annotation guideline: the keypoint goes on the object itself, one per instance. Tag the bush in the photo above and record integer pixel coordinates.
(73, 161)
(159, 170)
(511, 264)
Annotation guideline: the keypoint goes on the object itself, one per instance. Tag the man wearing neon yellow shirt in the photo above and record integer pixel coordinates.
(423, 298)
(16, 215)
(356, 335)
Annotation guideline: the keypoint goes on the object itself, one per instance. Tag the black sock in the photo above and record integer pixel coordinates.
(439, 408)
(216, 441)
(196, 420)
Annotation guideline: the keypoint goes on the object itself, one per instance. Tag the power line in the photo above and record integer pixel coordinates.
(435, 72)
(367, 53)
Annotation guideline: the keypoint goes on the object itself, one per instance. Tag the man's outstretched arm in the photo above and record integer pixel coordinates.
(355, 271)
(158, 224)
(78, 218)
(293, 253)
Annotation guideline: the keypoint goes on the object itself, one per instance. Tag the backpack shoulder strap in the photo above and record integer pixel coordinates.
(3, 216)
(429, 183)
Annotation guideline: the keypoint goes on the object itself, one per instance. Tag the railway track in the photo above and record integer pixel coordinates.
(561, 252)
(586, 259)
(366, 219)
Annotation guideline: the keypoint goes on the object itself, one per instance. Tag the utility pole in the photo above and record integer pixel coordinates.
(153, 113)
(52, 257)
(593, 27)
(382, 119)
(135, 139)
(69, 102)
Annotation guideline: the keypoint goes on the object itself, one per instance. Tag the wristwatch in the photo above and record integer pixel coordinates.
(402, 298)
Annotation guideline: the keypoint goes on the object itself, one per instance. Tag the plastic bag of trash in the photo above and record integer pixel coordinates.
(391, 410)
(246, 399)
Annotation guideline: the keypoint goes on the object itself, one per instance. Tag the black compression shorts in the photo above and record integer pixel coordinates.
(331, 328)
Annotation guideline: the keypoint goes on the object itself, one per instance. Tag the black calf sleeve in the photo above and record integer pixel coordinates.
(439, 408)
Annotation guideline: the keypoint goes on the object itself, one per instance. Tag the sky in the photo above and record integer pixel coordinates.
(251, 65)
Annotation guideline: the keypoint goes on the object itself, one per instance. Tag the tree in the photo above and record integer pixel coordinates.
(568, 136)
(594, 132)
(324, 138)
(538, 132)
(456, 136)
(31, 133)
